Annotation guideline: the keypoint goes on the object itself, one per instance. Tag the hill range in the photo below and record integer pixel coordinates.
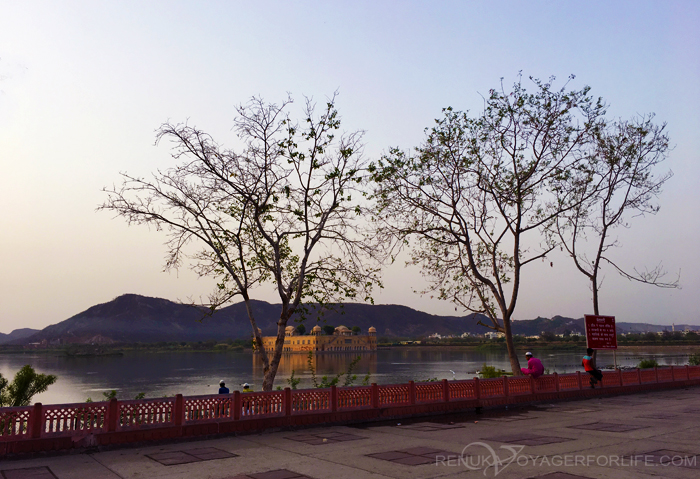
(134, 318)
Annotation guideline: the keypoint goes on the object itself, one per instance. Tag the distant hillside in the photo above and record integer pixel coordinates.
(134, 318)
(17, 334)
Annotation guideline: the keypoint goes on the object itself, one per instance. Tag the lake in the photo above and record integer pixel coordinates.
(166, 374)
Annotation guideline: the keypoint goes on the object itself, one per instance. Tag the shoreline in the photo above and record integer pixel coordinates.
(690, 348)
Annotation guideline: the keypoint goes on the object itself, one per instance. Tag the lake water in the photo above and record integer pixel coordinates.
(166, 374)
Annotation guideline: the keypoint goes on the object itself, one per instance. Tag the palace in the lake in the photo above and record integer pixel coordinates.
(342, 339)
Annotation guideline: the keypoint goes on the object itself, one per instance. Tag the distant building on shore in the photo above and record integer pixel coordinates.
(341, 340)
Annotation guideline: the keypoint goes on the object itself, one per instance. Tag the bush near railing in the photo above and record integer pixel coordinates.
(82, 419)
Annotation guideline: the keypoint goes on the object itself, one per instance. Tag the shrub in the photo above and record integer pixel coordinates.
(647, 363)
(489, 372)
(694, 359)
(26, 384)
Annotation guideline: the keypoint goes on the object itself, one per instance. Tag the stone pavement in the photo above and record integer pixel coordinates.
(653, 434)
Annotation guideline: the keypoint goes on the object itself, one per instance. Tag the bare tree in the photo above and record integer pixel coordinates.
(473, 200)
(620, 180)
(281, 210)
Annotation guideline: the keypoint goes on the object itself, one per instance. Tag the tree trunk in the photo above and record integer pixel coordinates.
(596, 310)
(270, 374)
(512, 353)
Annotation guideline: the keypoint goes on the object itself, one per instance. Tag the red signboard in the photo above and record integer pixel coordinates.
(600, 332)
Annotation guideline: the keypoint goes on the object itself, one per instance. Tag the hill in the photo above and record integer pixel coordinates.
(17, 334)
(134, 318)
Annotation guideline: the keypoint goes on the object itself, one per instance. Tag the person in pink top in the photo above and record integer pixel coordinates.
(534, 366)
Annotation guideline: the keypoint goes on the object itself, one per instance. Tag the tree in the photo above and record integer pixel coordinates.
(356, 330)
(471, 203)
(25, 385)
(301, 329)
(281, 209)
(619, 180)
(328, 329)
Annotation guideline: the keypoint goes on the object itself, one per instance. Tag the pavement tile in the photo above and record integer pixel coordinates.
(431, 426)
(29, 473)
(530, 439)
(347, 437)
(208, 453)
(317, 442)
(676, 458)
(173, 458)
(419, 451)
(278, 474)
(608, 427)
(560, 475)
(658, 416)
(389, 456)
(414, 461)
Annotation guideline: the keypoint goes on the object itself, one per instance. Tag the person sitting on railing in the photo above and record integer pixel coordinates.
(589, 365)
(222, 387)
(534, 366)
(246, 388)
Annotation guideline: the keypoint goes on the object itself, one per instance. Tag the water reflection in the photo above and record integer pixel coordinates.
(165, 374)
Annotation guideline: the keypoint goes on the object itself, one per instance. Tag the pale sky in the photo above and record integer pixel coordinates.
(83, 86)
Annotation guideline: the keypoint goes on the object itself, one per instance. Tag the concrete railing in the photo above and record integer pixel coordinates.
(65, 426)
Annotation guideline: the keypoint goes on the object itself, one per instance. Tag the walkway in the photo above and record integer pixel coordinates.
(652, 434)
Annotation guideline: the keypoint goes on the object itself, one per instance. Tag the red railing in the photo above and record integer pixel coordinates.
(77, 420)
(73, 419)
(359, 397)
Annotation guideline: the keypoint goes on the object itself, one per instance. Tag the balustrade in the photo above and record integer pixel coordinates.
(76, 420)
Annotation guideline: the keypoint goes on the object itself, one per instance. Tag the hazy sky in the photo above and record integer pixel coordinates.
(83, 86)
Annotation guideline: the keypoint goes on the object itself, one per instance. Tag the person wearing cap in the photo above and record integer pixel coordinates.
(246, 388)
(534, 366)
(222, 387)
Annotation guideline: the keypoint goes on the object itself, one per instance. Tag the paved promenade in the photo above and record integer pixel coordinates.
(653, 434)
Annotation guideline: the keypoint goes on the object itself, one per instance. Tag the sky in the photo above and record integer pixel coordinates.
(84, 86)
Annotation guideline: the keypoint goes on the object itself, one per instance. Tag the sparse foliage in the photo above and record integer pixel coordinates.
(620, 180)
(474, 202)
(281, 209)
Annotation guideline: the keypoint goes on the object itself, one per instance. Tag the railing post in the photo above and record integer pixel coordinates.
(112, 415)
(334, 399)
(687, 372)
(532, 385)
(656, 373)
(505, 386)
(411, 392)
(477, 388)
(556, 382)
(375, 396)
(287, 402)
(179, 410)
(236, 405)
(445, 390)
(580, 382)
(673, 375)
(37, 420)
(639, 376)
(619, 376)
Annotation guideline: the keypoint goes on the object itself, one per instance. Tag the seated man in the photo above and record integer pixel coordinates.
(590, 367)
(222, 387)
(534, 366)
